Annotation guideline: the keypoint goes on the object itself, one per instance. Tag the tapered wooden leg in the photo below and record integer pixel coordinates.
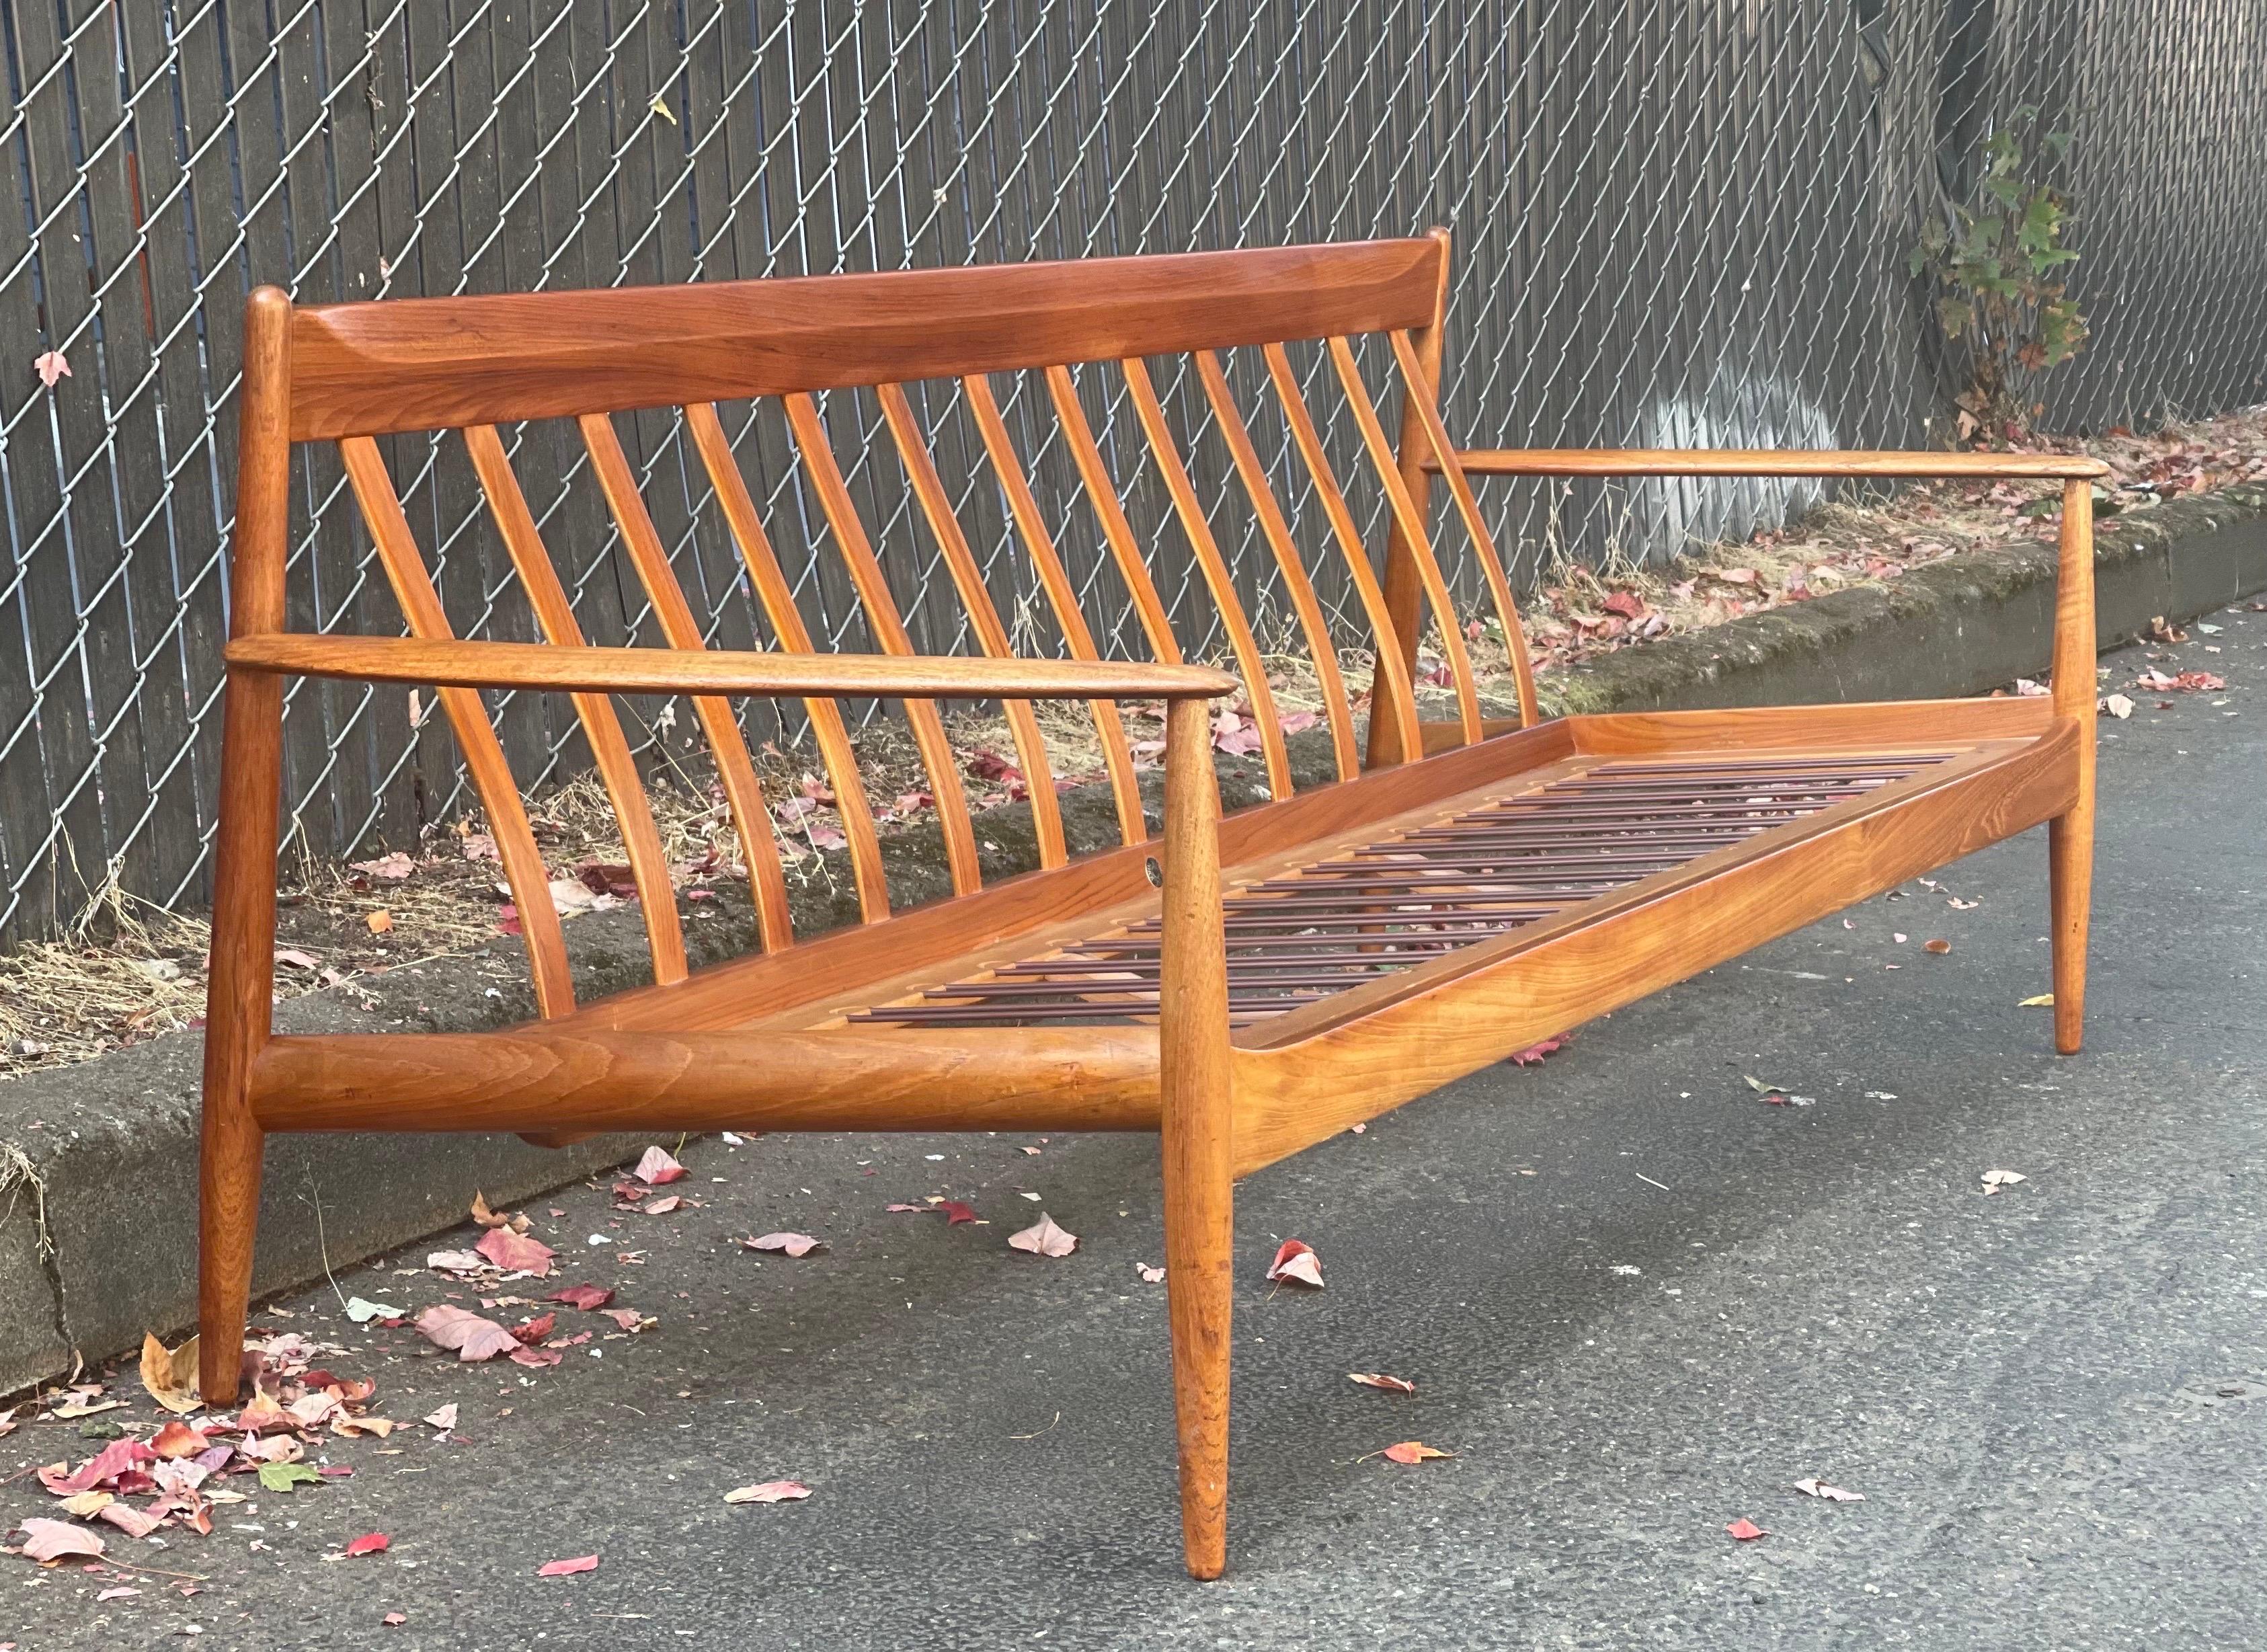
(227, 1219)
(2070, 837)
(2070, 858)
(1197, 1112)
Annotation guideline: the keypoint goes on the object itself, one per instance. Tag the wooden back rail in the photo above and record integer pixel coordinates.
(1231, 1075)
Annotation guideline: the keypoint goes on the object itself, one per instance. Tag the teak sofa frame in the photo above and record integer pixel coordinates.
(1464, 889)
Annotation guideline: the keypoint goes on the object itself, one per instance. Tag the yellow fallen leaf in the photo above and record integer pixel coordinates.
(2044, 1000)
(171, 1377)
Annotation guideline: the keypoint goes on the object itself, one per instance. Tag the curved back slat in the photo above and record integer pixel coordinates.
(1117, 532)
(1063, 595)
(1411, 523)
(743, 795)
(889, 630)
(610, 751)
(778, 599)
(1250, 664)
(524, 870)
(1390, 682)
(983, 617)
(1424, 400)
(1318, 631)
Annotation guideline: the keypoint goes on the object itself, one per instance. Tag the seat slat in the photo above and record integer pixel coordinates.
(1411, 523)
(524, 869)
(610, 751)
(1324, 652)
(1400, 692)
(773, 591)
(1062, 597)
(743, 794)
(983, 616)
(1251, 664)
(1424, 401)
(889, 629)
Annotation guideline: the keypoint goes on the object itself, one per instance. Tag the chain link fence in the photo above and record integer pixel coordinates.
(1674, 225)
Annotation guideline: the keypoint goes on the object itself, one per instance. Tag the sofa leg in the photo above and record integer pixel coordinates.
(2070, 856)
(1198, 1280)
(228, 1218)
(1193, 1077)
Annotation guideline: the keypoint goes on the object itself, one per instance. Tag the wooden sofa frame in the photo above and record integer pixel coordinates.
(1464, 888)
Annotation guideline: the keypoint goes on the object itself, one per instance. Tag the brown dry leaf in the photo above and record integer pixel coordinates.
(482, 1213)
(171, 1375)
(1412, 1451)
(1297, 1261)
(1938, 947)
(177, 1440)
(1379, 1379)
(379, 922)
(1043, 1238)
(772, 1491)
(663, 1205)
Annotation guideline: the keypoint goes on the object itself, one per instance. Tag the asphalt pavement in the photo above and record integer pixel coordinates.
(1639, 1301)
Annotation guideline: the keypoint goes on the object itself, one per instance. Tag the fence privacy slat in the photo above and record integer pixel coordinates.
(476, 736)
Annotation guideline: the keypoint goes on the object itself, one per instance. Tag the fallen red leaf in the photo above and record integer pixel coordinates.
(658, 1167)
(955, 1212)
(1535, 1053)
(516, 1252)
(536, 1329)
(1412, 1451)
(568, 1568)
(587, 1297)
(1379, 1379)
(772, 1491)
(1295, 1261)
(370, 1543)
(473, 1337)
(1746, 1530)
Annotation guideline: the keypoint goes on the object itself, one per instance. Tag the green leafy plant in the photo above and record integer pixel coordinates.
(1996, 265)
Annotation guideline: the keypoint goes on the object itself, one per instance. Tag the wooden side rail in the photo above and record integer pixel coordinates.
(662, 671)
(1731, 461)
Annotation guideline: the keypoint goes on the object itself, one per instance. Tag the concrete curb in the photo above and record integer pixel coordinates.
(97, 1162)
